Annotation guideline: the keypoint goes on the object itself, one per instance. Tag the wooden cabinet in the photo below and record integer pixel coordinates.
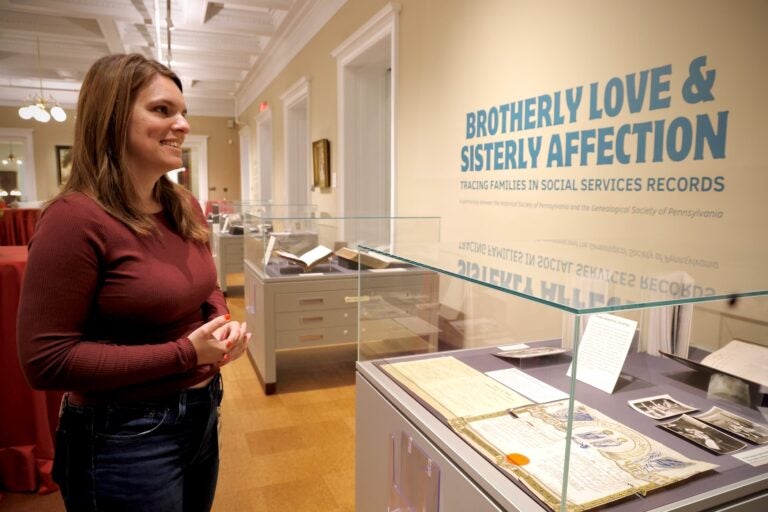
(310, 310)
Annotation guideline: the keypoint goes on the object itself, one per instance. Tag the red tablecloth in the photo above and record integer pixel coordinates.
(27, 418)
(17, 225)
(224, 207)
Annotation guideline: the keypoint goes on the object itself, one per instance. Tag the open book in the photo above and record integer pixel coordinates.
(741, 359)
(350, 258)
(310, 258)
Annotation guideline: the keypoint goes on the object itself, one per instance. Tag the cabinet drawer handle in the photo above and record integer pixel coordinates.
(305, 302)
(311, 337)
(355, 299)
(308, 319)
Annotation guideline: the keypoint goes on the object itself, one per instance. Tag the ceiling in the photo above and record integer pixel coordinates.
(215, 46)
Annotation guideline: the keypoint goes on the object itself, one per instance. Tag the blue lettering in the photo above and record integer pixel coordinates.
(555, 155)
(658, 87)
(604, 145)
(715, 140)
(614, 97)
(679, 138)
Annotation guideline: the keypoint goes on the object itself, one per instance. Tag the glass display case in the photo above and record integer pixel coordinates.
(301, 283)
(227, 221)
(572, 375)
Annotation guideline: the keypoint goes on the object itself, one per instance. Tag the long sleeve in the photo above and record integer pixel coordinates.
(101, 309)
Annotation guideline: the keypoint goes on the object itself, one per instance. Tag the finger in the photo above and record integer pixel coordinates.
(234, 334)
(210, 327)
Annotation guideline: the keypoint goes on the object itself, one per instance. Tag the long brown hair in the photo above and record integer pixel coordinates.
(107, 95)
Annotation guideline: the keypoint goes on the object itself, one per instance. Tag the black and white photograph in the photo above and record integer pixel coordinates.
(740, 427)
(703, 435)
(660, 407)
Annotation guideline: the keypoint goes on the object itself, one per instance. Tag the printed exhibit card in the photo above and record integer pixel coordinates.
(603, 350)
(454, 388)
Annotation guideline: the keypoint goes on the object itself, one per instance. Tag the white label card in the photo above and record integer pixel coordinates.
(268, 251)
(603, 350)
(755, 457)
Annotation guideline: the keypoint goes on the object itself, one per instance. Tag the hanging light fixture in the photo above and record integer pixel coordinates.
(37, 107)
(10, 159)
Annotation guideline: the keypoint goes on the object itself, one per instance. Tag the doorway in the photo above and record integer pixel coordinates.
(263, 176)
(19, 172)
(297, 147)
(366, 71)
(247, 186)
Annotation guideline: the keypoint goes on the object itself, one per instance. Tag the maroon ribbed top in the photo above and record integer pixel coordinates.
(106, 312)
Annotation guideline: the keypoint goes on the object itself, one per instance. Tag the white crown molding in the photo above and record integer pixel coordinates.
(358, 41)
(284, 47)
(295, 92)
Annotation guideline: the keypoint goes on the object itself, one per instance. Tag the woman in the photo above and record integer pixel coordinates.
(120, 305)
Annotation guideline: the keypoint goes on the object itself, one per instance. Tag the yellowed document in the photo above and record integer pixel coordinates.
(608, 460)
(453, 388)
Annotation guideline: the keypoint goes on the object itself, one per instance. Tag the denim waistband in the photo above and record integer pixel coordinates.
(189, 395)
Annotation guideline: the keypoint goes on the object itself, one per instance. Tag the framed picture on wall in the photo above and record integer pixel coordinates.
(63, 162)
(321, 163)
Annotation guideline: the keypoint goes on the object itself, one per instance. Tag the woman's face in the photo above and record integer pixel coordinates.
(157, 130)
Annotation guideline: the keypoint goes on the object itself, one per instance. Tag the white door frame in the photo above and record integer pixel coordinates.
(382, 26)
(296, 142)
(264, 155)
(244, 135)
(27, 180)
(199, 145)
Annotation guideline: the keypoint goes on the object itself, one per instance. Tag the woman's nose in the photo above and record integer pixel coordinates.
(181, 124)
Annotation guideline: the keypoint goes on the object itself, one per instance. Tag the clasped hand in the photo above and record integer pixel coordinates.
(220, 341)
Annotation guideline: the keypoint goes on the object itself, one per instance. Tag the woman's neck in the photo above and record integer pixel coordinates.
(146, 196)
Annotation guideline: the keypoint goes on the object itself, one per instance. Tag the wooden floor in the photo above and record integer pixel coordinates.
(291, 451)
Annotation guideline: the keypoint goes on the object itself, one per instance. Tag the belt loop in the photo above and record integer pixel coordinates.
(219, 388)
(182, 405)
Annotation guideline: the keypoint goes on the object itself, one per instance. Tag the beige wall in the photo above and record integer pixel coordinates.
(223, 156)
(457, 57)
(314, 63)
(223, 151)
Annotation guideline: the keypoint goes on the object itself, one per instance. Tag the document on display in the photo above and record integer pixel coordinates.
(453, 388)
(742, 359)
(756, 457)
(608, 460)
(528, 386)
(603, 350)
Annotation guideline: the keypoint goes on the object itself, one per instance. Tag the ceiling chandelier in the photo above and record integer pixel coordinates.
(37, 107)
(10, 159)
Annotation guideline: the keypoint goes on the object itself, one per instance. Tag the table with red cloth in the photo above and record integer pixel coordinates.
(17, 225)
(27, 417)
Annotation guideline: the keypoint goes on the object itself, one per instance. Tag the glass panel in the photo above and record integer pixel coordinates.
(638, 374)
(583, 276)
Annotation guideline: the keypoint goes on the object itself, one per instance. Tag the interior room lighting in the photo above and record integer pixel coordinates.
(37, 107)
(11, 158)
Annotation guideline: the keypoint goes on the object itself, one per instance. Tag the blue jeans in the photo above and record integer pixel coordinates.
(158, 455)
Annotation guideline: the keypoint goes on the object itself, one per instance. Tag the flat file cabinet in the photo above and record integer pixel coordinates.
(228, 256)
(293, 311)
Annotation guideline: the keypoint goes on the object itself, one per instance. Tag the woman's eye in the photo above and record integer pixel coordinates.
(162, 109)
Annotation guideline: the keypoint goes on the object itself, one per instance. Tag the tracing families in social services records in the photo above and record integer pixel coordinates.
(659, 139)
